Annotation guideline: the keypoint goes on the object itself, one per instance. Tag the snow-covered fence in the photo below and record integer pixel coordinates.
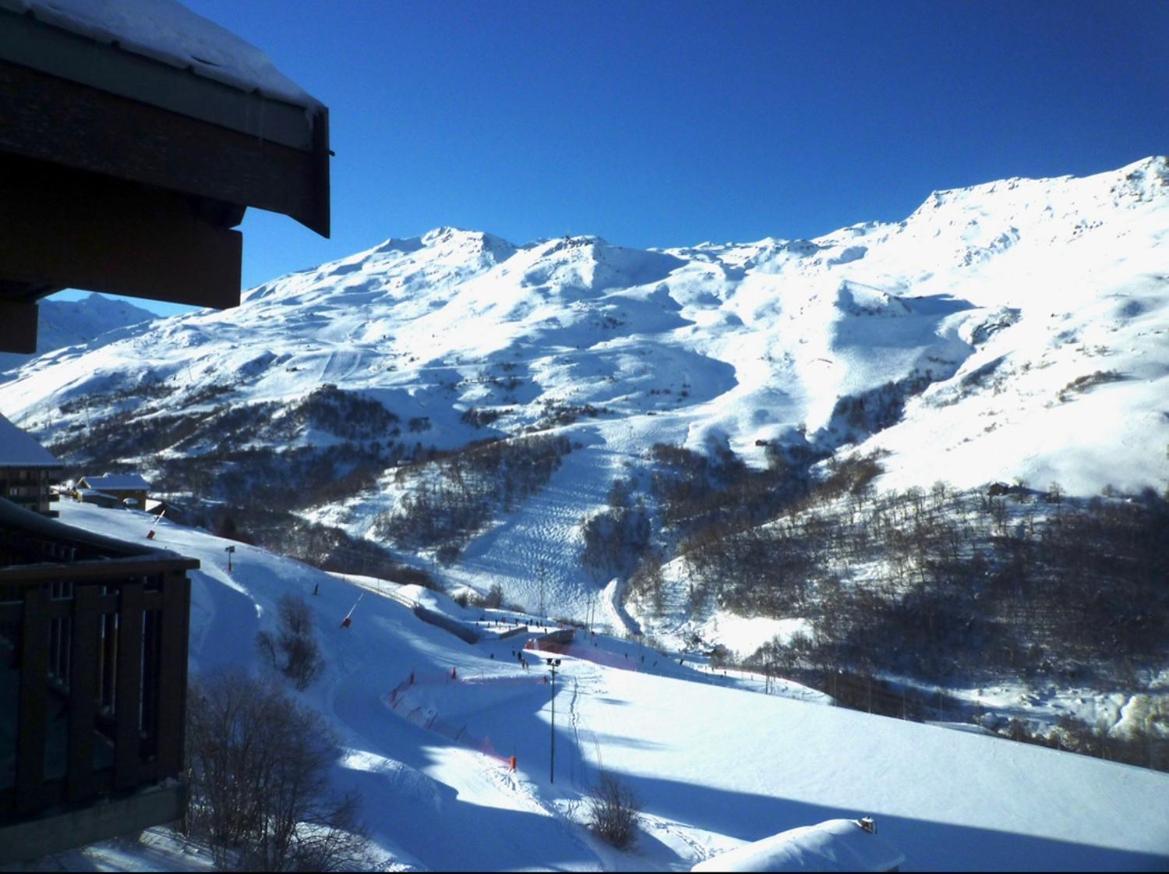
(512, 632)
(446, 623)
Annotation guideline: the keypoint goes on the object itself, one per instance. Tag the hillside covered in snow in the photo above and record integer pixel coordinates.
(778, 450)
(62, 323)
(426, 751)
(1012, 331)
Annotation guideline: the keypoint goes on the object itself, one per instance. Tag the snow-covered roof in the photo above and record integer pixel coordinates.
(18, 449)
(832, 845)
(168, 32)
(116, 482)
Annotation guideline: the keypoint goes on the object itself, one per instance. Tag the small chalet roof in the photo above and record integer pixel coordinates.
(18, 449)
(118, 482)
(832, 845)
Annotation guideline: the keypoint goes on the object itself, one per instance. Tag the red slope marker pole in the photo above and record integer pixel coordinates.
(150, 533)
(348, 620)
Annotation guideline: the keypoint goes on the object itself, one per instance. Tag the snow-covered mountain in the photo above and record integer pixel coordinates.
(62, 323)
(1009, 331)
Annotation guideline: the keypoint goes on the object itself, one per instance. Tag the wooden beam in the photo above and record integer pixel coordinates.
(111, 570)
(74, 125)
(318, 216)
(18, 325)
(80, 230)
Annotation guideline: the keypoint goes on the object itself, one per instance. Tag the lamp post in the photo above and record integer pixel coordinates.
(229, 550)
(553, 664)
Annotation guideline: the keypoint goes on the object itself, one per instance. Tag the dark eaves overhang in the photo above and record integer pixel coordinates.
(123, 173)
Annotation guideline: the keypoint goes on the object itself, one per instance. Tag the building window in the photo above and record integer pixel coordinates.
(60, 645)
(61, 591)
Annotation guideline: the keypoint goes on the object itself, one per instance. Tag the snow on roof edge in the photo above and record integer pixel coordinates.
(19, 449)
(117, 481)
(168, 32)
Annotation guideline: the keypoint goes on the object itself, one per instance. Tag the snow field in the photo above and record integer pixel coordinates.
(714, 766)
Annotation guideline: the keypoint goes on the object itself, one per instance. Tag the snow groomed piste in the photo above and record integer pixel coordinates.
(715, 767)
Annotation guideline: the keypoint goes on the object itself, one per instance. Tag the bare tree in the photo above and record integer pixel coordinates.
(293, 650)
(614, 812)
(260, 788)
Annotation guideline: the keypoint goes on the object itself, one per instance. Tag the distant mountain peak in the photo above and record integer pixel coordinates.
(452, 238)
(456, 328)
(64, 323)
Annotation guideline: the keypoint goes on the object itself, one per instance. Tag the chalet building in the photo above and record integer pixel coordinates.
(128, 489)
(133, 138)
(27, 470)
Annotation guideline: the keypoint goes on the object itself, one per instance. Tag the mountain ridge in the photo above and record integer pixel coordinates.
(962, 343)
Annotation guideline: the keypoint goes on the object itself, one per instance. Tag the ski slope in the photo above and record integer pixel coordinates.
(715, 764)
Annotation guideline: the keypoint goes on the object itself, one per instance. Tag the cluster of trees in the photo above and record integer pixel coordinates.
(647, 583)
(874, 410)
(454, 495)
(617, 538)
(263, 478)
(1087, 381)
(108, 440)
(258, 764)
(247, 490)
(292, 648)
(322, 546)
(558, 413)
(493, 599)
(346, 414)
(1145, 744)
(117, 394)
(693, 491)
(944, 584)
(614, 811)
(481, 417)
(712, 509)
(223, 430)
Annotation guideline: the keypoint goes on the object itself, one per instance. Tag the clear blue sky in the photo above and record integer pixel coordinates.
(670, 122)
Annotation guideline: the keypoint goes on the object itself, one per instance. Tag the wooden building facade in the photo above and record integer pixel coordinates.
(122, 486)
(27, 470)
